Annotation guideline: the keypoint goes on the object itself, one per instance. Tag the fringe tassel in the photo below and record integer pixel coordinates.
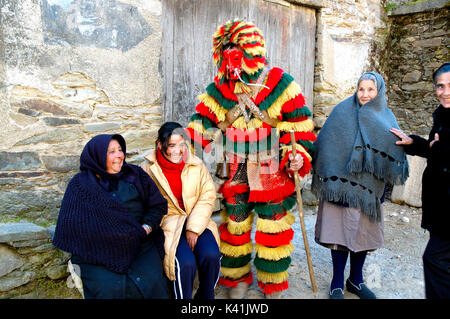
(271, 288)
(238, 262)
(212, 104)
(236, 251)
(230, 191)
(273, 78)
(233, 283)
(238, 210)
(275, 226)
(235, 273)
(271, 266)
(289, 93)
(270, 210)
(276, 240)
(303, 126)
(273, 195)
(277, 278)
(275, 253)
(238, 228)
(234, 240)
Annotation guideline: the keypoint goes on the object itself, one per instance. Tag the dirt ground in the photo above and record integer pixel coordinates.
(392, 272)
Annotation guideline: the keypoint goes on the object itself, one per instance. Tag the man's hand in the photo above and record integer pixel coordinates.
(295, 163)
(404, 139)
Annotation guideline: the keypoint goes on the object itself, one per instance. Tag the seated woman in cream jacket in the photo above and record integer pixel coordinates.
(191, 237)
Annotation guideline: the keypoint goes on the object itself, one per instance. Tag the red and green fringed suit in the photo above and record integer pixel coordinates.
(257, 184)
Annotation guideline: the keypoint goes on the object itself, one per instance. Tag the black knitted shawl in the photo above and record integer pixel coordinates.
(97, 227)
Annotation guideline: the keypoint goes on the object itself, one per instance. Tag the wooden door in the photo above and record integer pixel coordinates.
(188, 26)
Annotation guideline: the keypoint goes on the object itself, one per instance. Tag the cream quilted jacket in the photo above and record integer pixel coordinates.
(199, 195)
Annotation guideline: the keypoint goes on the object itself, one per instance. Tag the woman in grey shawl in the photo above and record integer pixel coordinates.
(355, 157)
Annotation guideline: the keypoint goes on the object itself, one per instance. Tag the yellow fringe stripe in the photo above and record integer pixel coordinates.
(253, 124)
(235, 273)
(249, 70)
(215, 107)
(269, 226)
(238, 228)
(274, 253)
(303, 126)
(200, 129)
(256, 51)
(241, 88)
(236, 251)
(276, 278)
(299, 148)
(288, 94)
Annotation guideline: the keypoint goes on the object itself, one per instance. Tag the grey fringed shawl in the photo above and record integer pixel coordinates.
(356, 155)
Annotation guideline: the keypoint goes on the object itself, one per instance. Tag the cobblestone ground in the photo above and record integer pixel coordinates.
(392, 272)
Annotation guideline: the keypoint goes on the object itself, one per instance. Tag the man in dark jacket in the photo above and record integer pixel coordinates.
(435, 188)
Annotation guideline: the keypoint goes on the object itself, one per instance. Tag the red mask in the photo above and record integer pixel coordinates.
(233, 62)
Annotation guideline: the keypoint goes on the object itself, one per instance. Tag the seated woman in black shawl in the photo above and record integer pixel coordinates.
(109, 220)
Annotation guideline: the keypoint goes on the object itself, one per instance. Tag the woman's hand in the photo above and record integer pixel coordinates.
(191, 238)
(404, 139)
(147, 228)
(436, 138)
(295, 163)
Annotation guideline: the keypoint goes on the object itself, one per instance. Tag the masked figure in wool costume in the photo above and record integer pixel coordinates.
(255, 107)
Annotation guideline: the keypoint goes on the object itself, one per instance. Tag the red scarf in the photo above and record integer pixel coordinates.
(172, 172)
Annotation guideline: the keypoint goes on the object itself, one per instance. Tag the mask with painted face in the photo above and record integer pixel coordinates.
(233, 62)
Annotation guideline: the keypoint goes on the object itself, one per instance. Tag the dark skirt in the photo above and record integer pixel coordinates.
(145, 278)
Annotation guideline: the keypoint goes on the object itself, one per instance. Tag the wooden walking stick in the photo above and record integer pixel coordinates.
(300, 212)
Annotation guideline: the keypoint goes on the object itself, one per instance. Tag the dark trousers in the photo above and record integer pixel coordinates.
(205, 258)
(436, 266)
(144, 279)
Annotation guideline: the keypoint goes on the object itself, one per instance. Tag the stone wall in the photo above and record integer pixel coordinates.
(418, 44)
(348, 34)
(74, 70)
(26, 255)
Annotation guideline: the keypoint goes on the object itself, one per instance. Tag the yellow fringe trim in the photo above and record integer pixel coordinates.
(235, 273)
(238, 228)
(303, 126)
(276, 278)
(274, 253)
(236, 251)
(298, 147)
(288, 94)
(241, 88)
(269, 226)
(200, 129)
(253, 124)
(215, 107)
(249, 70)
(256, 51)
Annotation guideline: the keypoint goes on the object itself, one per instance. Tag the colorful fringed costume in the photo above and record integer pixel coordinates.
(258, 177)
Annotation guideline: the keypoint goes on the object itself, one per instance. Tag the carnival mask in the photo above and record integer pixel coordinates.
(233, 62)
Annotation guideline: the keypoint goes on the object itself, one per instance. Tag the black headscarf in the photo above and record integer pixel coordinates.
(93, 159)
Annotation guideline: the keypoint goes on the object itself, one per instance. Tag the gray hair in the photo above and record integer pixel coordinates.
(368, 76)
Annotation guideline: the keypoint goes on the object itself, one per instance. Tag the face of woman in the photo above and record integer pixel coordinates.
(443, 89)
(176, 148)
(114, 157)
(366, 91)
